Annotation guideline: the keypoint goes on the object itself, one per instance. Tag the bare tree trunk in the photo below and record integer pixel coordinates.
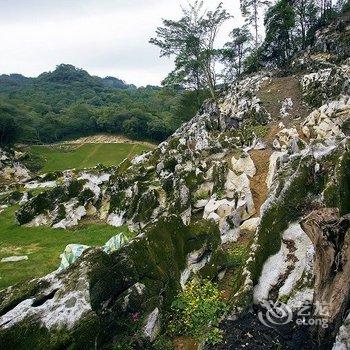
(210, 80)
(256, 25)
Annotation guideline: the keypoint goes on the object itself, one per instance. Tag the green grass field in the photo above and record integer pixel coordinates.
(79, 156)
(43, 245)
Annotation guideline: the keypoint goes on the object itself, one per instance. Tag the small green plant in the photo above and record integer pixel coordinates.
(202, 194)
(237, 255)
(163, 343)
(197, 312)
(215, 336)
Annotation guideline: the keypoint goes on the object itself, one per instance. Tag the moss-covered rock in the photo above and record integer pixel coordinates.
(121, 289)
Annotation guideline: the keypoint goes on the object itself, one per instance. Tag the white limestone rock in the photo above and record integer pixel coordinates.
(35, 184)
(342, 340)
(74, 213)
(275, 158)
(152, 325)
(326, 122)
(249, 226)
(287, 105)
(195, 261)
(116, 219)
(244, 165)
(63, 310)
(277, 265)
(15, 258)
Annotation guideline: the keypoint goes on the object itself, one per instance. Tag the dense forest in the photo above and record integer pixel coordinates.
(68, 102)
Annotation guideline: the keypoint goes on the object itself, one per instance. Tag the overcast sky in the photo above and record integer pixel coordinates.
(104, 37)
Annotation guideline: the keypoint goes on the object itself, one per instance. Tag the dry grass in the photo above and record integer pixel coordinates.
(185, 343)
(275, 90)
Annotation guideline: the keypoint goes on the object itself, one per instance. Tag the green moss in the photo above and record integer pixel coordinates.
(168, 185)
(61, 214)
(85, 196)
(291, 204)
(75, 187)
(154, 158)
(146, 204)
(170, 164)
(174, 142)
(11, 198)
(124, 165)
(192, 180)
(52, 176)
(249, 130)
(34, 162)
(219, 176)
(337, 191)
(117, 201)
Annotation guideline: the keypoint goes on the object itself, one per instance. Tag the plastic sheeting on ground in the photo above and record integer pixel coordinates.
(73, 251)
(115, 243)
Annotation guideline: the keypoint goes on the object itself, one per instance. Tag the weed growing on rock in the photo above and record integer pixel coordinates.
(197, 312)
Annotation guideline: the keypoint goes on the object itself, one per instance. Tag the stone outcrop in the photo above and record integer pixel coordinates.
(101, 297)
(330, 236)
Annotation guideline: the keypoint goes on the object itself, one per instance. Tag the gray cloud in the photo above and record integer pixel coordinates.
(105, 37)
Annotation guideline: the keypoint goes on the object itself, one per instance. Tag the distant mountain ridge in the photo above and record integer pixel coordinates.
(62, 74)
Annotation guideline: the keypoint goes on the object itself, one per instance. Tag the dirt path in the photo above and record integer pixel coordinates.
(185, 343)
(275, 90)
(258, 184)
(105, 138)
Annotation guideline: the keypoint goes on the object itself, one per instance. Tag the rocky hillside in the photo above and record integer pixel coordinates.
(263, 173)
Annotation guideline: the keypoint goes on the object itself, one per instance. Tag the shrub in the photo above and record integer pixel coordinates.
(197, 312)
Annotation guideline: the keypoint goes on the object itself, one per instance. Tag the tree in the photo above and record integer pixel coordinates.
(325, 7)
(236, 50)
(306, 17)
(251, 12)
(192, 41)
(279, 22)
(345, 6)
(8, 130)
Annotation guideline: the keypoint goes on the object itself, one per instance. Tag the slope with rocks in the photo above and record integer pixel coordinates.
(265, 168)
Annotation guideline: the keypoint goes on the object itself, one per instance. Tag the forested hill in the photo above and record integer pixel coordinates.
(69, 102)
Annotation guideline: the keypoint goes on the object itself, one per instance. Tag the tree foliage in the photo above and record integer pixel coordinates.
(191, 40)
(69, 102)
(251, 11)
(235, 51)
(279, 22)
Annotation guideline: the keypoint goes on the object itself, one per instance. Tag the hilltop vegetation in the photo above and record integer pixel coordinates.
(69, 102)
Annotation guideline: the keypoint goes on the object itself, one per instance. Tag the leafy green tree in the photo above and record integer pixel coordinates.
(192, 41)
(236, 50)
(306, 17)
(343, 5)
(251, 10)
(8, 130)
(279, 23)
(325, 7)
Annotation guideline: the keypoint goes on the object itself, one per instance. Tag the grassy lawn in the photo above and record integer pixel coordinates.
(63, 156)
(43, 245)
